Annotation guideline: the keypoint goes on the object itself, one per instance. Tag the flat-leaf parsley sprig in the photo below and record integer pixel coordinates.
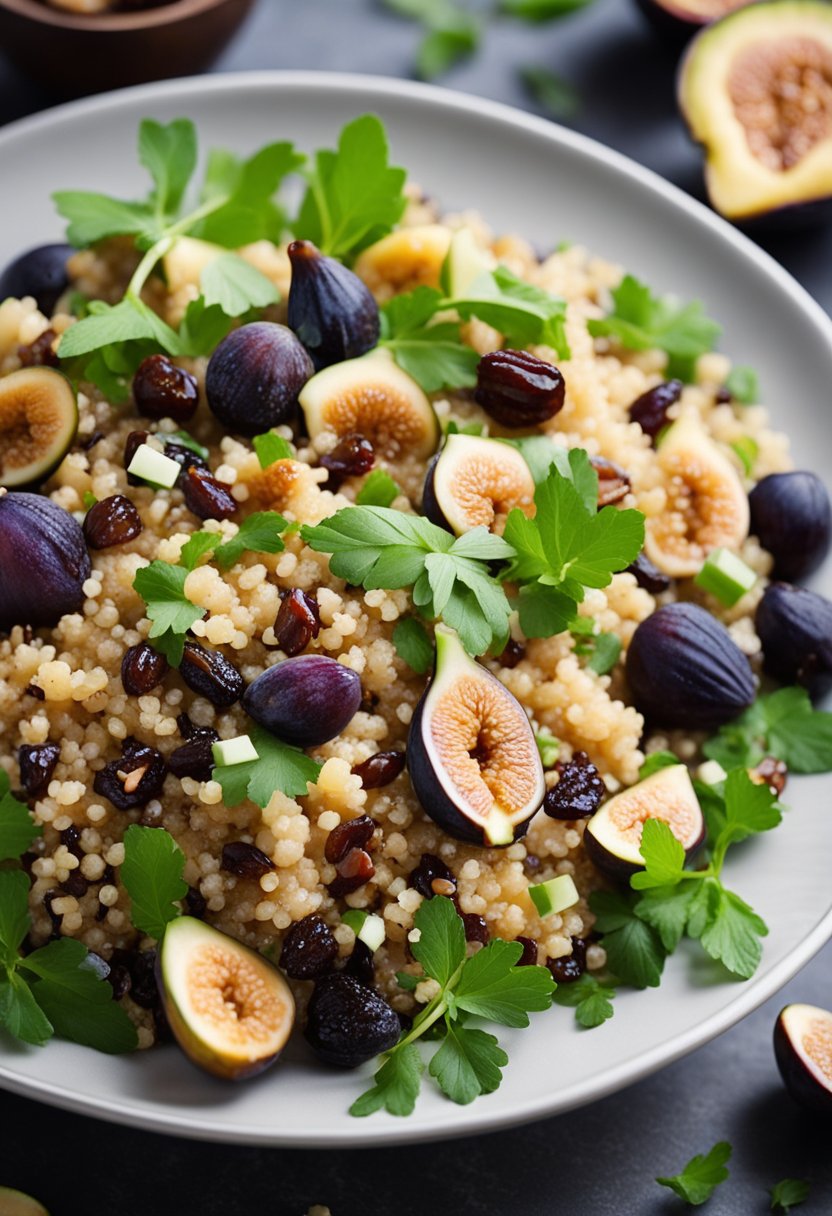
(489, 985)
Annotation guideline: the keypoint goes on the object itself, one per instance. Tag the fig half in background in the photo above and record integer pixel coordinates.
(678, 20)
(756, 91)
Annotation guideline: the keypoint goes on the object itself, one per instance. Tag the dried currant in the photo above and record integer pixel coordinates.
(353, 871)
(648, 576)
(112, 521)
(476, 928)
(132, 444)
(205, 495)
(360, 964)
(39, 353)
(245, 860)
(309, 949)
(774, 773)
(613, 481)
(163, 390)
(37, 764)
(517, 389)
(529, 956)
(351, 457)
(351, 834)
(513, 653)
(193, 759)
(430, 867)
(133, 780)
(650, 409)
(210, 674)
(142, 668)
(379, 770)
(579, 790)
(569, 967)
(298, 621)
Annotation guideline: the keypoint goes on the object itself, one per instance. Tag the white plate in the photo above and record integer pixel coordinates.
(530, 177)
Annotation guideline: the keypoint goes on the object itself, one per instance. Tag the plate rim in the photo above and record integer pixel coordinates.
(480, 1120)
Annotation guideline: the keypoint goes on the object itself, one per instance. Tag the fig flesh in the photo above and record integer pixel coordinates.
(405, 259)
(613, 834)
(38, 422)
(803, 1050)
(372, 397)
(44, 561)
(229, 1009)
(756, 90)
(471, 752)
(330, 309)
(475, 481)
(707, 506)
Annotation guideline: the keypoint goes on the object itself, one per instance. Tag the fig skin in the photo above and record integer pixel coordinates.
(801, 1083)
(332, 312)
(44, 561)
(40, 272)
(307, 700)
(430, 506)
(254, 377)
(676, 23)
(795, 628)
(684, 669)
(791, 516)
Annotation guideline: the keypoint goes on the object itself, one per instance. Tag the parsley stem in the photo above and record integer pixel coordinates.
(432, 1012)
(166, 242)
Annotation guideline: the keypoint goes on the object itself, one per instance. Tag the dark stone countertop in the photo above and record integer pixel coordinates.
(599, 1161)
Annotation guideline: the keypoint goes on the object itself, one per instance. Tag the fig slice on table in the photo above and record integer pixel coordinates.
(803, 1049)
(471, 751)
(476, 481)
(229, 1009)
(38, 422)
(756, 91)
(678, 20)
(613, 834)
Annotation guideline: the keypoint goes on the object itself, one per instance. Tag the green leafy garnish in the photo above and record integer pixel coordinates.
(379, 490)
(748, 450)
(655, 761)
(701, 1176)
(379, 547)
(641, 321)
(634, 950)
(468, 1062)
(162, 587)
(781, 724)
(279, 767)
(271, 448)
(450, 33)
(152, 876)
(743, 385)
(55, 989)
(541, 10)
(591, 999)
(258, 533)
(354, 195)
(788, 1193)
(17, 828)
(413, 644)
(548, 747)
(602, 650)
(556, 96)
(432, 353)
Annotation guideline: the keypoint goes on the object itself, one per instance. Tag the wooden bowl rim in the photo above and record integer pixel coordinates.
(175, 10)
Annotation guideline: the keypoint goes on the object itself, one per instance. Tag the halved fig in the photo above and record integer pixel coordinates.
(756, 91)
(707, 506)
(471, 751)
(373, 397)
(678, 20)
(15, 1203)
(406, 259)
(475, 481)
(38, 422)
(803, 1050)
(229, 1009)
(613, 834)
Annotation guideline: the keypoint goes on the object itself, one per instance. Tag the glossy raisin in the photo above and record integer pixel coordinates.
(71, 840)
(517, 389)
(75, 885)
(529, 956)
(579, 791)
(133, 780)
(210, 674)
(379, 770)
(56, 918)
(648, 576)
(39, 353)
(650, 409)
(569, 967)
(476, 928)
(205, 495)
(353, 870)
(429, 868)
(723, 395)
(245, 860)
(163, 390)
(193, 759)
(132, 444)
(37, 764)
(142, 668)
(196, 903)
(112, 521)
(613, 481)
(351, 457)
(513, 653)
(185, 457)
(351, 834)
(309, 949)
(298, 621)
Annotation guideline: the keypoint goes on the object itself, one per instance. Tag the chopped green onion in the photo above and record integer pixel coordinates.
(748, 450)
(554, 895)
(234, 751)
(153, 466)
(548, 746)
(89, 500)
(726, 576)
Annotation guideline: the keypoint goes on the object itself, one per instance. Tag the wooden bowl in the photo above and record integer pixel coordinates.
(70, 54)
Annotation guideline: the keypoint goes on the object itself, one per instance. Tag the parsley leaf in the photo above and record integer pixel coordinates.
(523, 313)
(14, 913)
(701, 1176)
(279, 767)
(162, 587)
(20, 1013)
(432, 353)
(354, 196)
(782, 724)
(131, 320)
(152, 875)
(234, 285)
(655, 761)
(733, 934)
(169, 155)
(743, 384)
(492, 987)
(271, 448)
(664, 857)
(441, 946)
(396, 1086)
(634, 950)
(589, 997)
(413, 644)
(17, 828)
(451, 33)
(668, 910)
(245, 190)
(258, 533)
(641, 321)
(379, 490)
(556, 96)
(77, 1001)
(788, 1193)
(468, 1063)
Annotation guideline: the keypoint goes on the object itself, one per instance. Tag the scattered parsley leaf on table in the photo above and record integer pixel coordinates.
(413, 644)
(162, 587)
(701, 1176)
(279, 767)
(541, 10)
(641, 321)
(556, 96)
(782, 724)
(17, 828)
(152, 876)
(788, 1193)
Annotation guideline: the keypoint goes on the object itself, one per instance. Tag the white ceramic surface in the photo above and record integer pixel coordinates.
(531, 177)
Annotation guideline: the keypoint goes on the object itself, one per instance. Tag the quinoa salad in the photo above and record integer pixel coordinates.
(398, 625)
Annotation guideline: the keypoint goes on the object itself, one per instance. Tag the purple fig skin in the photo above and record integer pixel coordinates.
(330, 309)
(792, 518)
(684, 669)
(254, 377)
(803, 1086)
(306, 700)
(795, 629)
(44, 561)
(430, 504)
(615, 867)
(39, 272)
